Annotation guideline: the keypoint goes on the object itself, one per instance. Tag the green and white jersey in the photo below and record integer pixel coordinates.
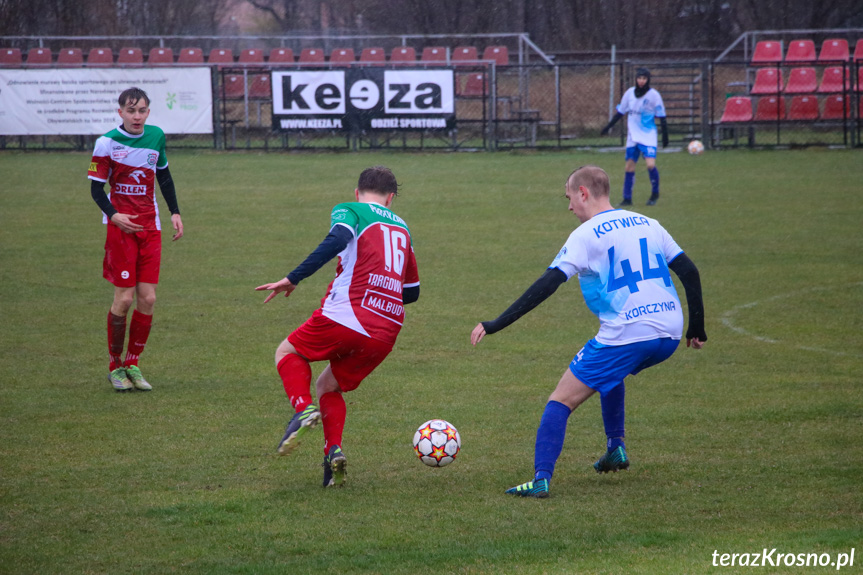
(373, 270)
(129, 162)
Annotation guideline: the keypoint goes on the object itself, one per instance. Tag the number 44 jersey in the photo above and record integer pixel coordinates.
(373, 270)
(621, 259)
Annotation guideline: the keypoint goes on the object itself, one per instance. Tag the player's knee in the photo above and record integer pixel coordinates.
(284, 349)
(122, 302)
(146, 302)
(326, 385)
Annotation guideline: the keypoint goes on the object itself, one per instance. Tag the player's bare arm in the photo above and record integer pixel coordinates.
(694, 343)
(477, 334)
(125, 223)
(282, 286)
(177, 222)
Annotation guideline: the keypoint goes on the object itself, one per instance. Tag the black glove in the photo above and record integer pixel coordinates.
(664, 132)
(664, 140)
(611, 124)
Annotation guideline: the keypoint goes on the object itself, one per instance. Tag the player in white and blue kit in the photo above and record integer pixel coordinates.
(622, 260)
(642, 105)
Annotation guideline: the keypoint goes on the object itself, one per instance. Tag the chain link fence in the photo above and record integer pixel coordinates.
(537, 105)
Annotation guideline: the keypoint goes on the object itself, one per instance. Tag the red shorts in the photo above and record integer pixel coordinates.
(352, 355)
(132, 258)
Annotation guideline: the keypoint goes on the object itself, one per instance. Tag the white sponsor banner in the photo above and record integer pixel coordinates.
(360, 99)
(418, 92)
(309, 93)
(84, 101)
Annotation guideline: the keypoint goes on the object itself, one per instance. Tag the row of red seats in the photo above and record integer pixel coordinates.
(467, 85)
(772, 108)
(804, 80)
(222, 56)
(832, 50)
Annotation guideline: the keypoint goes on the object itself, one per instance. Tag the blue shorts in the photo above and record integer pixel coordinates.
(633, 152)
(603, 367)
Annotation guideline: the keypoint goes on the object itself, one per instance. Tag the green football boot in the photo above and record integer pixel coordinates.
(335, 467)
(614, 461)
(300, 422)
(134, 375)
(537, 488)
(120, 380)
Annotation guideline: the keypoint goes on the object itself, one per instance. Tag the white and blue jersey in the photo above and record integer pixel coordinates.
(641, 114)
(621, 259)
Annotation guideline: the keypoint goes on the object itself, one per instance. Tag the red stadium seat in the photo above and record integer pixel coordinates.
(160, 57)
(130, 56)
(311, 55)
(767, 81)
(475, 85)
(100, 57)
(836, 107)
(190, 55)
(832, 80)
(737, 109)
(464, 55)
(858, 51)
(373, 56)
(770, 108)
(281, 56)
(70, 57)
(251, 56)
(403, 54)
(834, 49)
(10, 57)
(803, 108)
(39, 57)
(801, 81)
(221, 56)
(434, 56)
(259, 87)
(235, 87)
(800, 51)
(500, 55)
(342, 56)
(767, 52)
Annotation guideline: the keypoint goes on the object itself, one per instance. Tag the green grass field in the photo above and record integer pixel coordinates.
(753, 442)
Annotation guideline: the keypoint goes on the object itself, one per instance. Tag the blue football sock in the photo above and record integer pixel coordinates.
(614, 415)
(549, 438)
(653, 173)
(628, 183)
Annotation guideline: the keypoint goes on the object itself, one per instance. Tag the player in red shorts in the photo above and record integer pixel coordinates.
(132, 159)
(359, 318)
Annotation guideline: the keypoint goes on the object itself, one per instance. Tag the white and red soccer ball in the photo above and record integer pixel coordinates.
(437, 442)
(695, 147)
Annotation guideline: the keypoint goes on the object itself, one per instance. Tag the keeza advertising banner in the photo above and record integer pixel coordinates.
(363, 99)
(83, 101)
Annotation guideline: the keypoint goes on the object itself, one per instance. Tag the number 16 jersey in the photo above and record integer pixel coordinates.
(621, 259)
(372, 272)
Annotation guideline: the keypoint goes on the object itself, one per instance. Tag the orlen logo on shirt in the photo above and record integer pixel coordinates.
(130, 190)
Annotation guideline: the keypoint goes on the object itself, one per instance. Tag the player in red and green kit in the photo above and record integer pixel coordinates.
(359, 318)
(131, 158)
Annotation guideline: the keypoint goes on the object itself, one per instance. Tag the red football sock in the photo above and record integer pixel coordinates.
(139, 331)
(296, 374)
(116, 336)
(333, 412)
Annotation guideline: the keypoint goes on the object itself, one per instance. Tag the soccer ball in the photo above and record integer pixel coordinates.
(437, 442)
(695, 147)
